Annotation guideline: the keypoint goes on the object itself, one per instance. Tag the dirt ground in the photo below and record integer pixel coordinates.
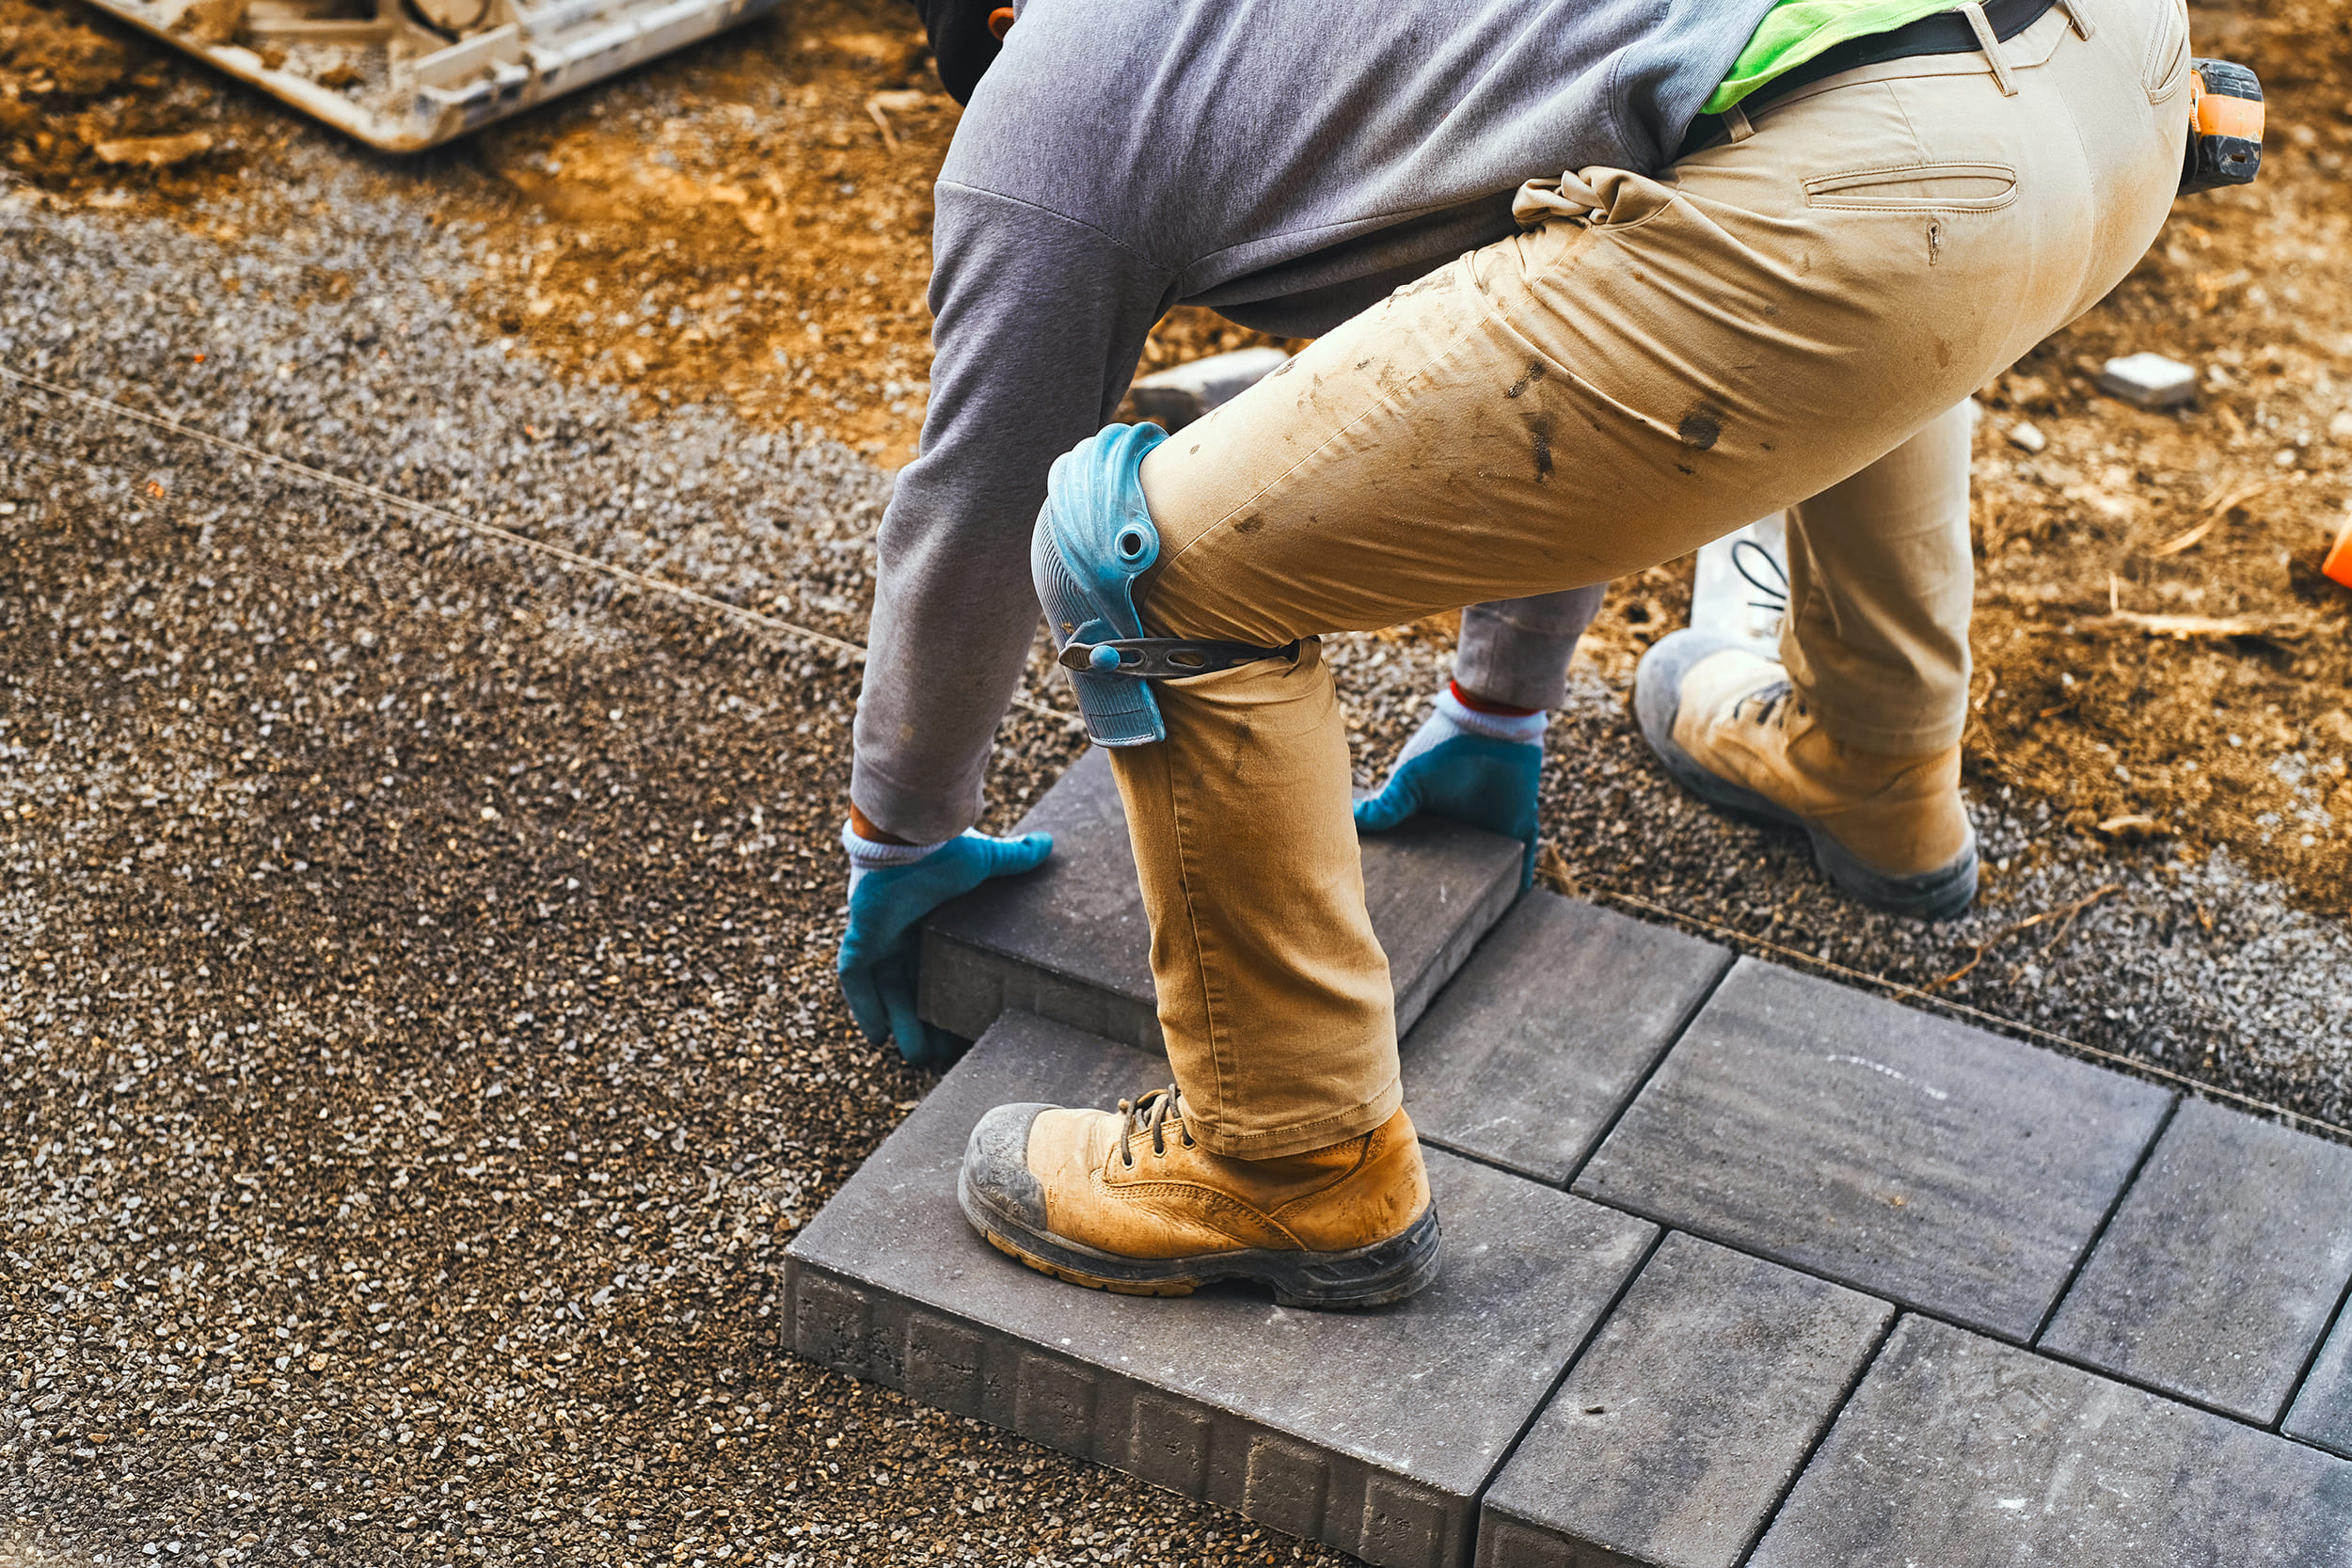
(767, 248)
(2237, 734)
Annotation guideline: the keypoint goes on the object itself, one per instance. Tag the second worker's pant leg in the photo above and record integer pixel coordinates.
(1516, 651)
(1880, 582)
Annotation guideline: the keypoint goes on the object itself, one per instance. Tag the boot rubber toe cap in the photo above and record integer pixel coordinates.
(1658, 700)
(997, 1169)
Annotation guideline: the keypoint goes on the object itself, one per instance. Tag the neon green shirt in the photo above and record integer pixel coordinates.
(1794, 31)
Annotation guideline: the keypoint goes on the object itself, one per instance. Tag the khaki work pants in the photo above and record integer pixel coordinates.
(1793, 320)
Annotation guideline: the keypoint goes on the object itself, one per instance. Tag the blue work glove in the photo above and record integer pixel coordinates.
(1476, 767)
(893, 888)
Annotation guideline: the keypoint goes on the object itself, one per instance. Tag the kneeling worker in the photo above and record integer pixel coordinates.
(1788, 240)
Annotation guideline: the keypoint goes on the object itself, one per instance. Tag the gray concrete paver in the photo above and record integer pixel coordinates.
(2322, 1410)
(1070, 940)
(1679, 1428)
(2221, 1267)
(1548, 1029)
(1962, 1452)
(1373, 1431)
(1900, 1153)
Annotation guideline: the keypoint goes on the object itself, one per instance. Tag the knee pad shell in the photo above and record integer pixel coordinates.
(1094, 537)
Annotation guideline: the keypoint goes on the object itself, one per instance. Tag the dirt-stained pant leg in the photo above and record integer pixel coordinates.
(1654, 362)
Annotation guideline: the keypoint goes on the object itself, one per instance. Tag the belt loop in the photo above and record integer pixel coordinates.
(2082, 23)
(1735, 121)
(1991, 45)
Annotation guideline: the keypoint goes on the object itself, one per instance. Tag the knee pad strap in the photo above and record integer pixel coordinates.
(1094, 537)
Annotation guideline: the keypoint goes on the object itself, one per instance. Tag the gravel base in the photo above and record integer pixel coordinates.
(415, 954)
(416, 1001)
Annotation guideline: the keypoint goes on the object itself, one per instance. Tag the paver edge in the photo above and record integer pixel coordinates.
(2106, 1220)
(1820, 1435)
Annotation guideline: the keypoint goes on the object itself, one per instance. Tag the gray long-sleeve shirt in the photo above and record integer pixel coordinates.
(1284, 161)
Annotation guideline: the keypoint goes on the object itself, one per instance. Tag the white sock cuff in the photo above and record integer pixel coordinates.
(1525, 727)
(867, 855)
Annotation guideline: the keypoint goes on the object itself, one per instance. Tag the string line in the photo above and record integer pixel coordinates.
(468, 525)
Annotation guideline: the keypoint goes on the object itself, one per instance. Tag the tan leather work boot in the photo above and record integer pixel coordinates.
(1125, 1200)
(1890, 830)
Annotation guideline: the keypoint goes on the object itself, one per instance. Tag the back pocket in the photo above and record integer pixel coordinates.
(1918, 187)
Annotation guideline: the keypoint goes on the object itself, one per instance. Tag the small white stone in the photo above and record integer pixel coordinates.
(2026, 436)
(2148, 380)
(2339, 428)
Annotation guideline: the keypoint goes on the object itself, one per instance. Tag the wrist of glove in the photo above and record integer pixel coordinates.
(893, 889)
(1482, 768)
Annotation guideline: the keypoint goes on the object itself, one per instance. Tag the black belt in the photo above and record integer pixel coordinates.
(1945, 32)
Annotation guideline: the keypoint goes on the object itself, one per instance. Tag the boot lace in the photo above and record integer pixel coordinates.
(1771, 702)
(1152, 1113)
(1764, 573)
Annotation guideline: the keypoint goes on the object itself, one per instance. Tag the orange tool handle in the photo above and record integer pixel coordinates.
(2217, 114)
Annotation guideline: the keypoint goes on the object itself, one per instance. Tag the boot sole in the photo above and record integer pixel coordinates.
(1943, 893)
(1366, 1277)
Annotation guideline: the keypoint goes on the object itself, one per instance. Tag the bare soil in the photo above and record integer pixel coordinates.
(2237, 734)
(70, 81)
(755, 232)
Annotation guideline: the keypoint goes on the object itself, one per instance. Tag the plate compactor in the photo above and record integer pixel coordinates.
(404, 75)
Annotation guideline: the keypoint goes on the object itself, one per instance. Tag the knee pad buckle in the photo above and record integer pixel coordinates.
(1094, 537)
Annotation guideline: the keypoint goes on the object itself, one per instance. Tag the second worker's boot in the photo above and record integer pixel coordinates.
(1890, 830)
(1127, 1200)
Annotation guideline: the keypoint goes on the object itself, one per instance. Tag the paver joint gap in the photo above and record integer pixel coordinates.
(1559, 1381)
(1746, 1249)
(2310, 1359)
(2105, 1374)
(1698, 1006)
(1471, 1156)
(2129, 1379)
(1493, 1164)
(2098, 1233)
(1878, 1347)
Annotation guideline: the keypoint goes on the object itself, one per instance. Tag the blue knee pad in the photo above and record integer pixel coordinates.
(1094, 537)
